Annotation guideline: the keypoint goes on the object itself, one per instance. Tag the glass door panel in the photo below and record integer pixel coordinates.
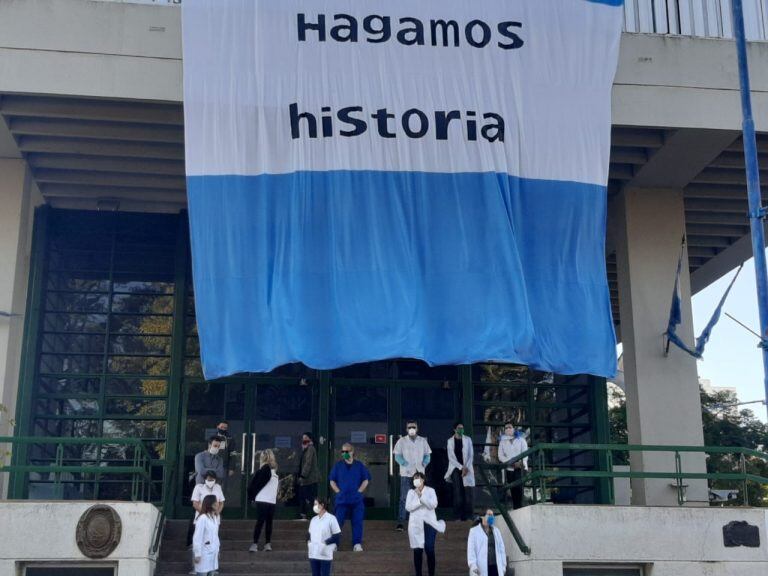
(208, 404)
(282, 413)
(361, 417)
(435, 408)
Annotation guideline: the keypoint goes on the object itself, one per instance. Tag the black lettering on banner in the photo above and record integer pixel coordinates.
(326, 121)
(443, 120)
(486, 34)
(345, 116)
(497, 127)
(384, 29)
(349, 29)
(443, 26)
(505, 30)
(382, 118)
(303, 26)
(296, 117)
(471, 126)
(413, 36)
(423, 123)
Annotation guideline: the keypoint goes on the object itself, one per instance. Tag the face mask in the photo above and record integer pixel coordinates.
(305, 443)
(213, 450)
(223, 432)
(490, 520)
(210, 483)
(509, 431)
(411, 432)
(460, 432)
(347, 456)
(316, 509)
(417, 482)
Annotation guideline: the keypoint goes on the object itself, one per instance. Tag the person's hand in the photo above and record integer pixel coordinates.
(464, 471)
(474, 570)
(518, 465)
(198, 559)
(231, 472)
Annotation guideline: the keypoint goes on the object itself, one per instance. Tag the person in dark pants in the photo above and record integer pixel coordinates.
(486, 554)
(511, 444)
(263, 491)
(461, 472)
(309, 476)
(349, 478)
(322, 539)
(423, 525)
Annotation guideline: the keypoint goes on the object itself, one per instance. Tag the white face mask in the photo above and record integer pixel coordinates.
(411, 432)
(210, 483)
(417, 482)
(316, 509)
(213, 450)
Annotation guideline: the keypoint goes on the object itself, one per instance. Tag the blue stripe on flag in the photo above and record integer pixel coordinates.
(339, 267)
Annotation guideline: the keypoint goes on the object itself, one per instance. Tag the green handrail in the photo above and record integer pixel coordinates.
(137, 466)
(539, 473)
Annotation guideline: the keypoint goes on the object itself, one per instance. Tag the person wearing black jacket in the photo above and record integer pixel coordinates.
(263, 490)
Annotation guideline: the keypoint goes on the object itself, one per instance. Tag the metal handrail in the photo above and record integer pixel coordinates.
(539, 473)
(138, 468)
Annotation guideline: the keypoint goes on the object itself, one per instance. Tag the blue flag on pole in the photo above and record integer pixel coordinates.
(675, 315)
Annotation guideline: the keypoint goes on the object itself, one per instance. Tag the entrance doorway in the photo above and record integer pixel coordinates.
(274, 413)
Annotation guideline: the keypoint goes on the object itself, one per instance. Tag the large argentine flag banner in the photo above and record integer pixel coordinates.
(373, 179)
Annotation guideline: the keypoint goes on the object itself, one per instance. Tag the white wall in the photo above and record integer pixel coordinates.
(669, 541)
(18, 197)
(45, 531)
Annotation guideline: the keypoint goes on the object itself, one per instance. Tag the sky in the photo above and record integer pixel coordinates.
(732, 357)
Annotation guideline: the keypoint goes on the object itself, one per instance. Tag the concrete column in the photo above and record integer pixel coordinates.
(18, 196)
(663, 405)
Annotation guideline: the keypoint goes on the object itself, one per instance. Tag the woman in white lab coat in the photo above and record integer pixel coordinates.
(423, 524)
(205, 542)
(482, 539)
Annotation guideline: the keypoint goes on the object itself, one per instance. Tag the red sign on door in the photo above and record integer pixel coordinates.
(380, 439)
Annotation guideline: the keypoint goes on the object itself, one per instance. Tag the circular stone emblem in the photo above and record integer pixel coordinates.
(99, 531)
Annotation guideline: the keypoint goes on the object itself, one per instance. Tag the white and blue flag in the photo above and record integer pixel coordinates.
(400, 179)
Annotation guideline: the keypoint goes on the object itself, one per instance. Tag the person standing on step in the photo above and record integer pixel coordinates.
(511, 444)
(349, 478)
(423, 525)
(210, 487)
(209, 459)
(227, 447)
(486, 554)
(205, 543)
(461, 472)
(412, 453)
(322, 538)
(309, 475)
(263, 490)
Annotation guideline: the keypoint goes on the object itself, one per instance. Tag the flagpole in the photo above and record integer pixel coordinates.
(756, 211)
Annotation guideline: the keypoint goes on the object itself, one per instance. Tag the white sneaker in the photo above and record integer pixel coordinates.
(357, 548)
(253, 548)
(267, 547)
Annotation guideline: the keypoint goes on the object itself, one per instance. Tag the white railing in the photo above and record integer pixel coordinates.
(710, 18)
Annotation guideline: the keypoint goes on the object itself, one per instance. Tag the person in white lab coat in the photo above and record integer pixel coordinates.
(423, 525)
(511, 444)
(322, 538)
(486, 554)
(205, 542)
(461, 472)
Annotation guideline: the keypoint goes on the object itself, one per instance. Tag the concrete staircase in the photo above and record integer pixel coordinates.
(386, 551)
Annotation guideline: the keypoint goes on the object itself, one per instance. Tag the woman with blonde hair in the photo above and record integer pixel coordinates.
(263, 490)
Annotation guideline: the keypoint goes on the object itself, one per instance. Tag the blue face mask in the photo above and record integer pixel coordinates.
(490, 520)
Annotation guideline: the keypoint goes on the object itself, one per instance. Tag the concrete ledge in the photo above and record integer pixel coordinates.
(45, 531)
(671, 541)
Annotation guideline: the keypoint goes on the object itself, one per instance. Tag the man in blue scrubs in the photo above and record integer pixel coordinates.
(349, 479)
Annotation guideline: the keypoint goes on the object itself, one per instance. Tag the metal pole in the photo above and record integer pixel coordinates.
(756, 211)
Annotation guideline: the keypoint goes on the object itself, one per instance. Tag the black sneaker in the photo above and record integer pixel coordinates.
(399, 528)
